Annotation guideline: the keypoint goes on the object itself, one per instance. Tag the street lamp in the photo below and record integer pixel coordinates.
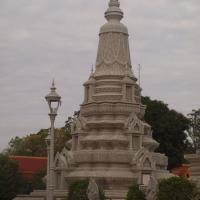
(54, 102)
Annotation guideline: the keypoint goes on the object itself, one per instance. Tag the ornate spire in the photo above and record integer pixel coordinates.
(92, 71)
(114, 12)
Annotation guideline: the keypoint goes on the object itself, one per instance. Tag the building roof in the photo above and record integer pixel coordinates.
(28, 166)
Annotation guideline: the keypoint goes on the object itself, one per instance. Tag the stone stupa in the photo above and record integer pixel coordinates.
(111, 142)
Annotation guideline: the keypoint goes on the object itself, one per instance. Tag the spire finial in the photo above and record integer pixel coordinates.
(114, 3)
(139, 73)
(92, 71)
(126, 71)
(114, 12)
(53, 87)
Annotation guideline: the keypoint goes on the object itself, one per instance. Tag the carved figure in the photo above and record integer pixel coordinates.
(93, 190)
(151, 190)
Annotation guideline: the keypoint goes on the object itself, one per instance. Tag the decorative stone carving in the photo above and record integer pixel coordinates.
(113, 48)
(144, 160)
(102, 156)
(60, 161)
(93, 190)
(78, 124)
(134, 124)
(151, 191)
(109, 108)
(65, 159)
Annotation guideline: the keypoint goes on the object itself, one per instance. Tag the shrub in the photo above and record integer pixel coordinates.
(177, 188)
(134, 193)
(10, 179)
(78, 191)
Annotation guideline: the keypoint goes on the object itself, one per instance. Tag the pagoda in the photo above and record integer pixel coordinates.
(111, 142)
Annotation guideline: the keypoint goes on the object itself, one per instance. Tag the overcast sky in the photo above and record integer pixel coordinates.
(45, 39)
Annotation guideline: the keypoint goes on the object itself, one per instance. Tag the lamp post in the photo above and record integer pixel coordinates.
(54, 102)
(48, 141)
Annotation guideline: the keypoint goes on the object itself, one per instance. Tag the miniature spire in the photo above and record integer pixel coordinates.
(92, 71)
(126, 71)
(139, 74)
(114, 12)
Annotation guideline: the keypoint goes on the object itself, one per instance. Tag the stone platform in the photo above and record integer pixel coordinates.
(60, 194)
(41, 195)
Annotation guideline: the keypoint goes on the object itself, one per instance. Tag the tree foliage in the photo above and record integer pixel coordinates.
(37, 182)
(10, 179)
(177, 188)
(34, 144)
(169, 129)
(134, 193)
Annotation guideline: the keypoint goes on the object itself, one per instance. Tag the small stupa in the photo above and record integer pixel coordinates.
(111, 142)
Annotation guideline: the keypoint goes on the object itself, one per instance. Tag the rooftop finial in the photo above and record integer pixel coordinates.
(92, 71)
(114, 12)
(114, 3)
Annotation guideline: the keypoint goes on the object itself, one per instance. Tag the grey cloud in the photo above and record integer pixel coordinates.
(45, 39)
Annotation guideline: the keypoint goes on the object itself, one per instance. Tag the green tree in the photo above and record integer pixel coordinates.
(134, 193)
(34, 144)
(78, 190)
(10, 179)
(177, 188)
(169, 129)
(37, 182)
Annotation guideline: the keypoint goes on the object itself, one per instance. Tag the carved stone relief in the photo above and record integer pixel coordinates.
(134, 124)
(151, 191)
(93, 190)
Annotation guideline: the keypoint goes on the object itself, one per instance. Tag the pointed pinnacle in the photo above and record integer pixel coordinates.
(114, 11)
(92, 69)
